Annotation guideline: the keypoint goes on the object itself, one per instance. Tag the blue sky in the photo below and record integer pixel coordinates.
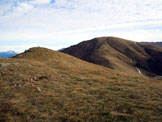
(57, 24)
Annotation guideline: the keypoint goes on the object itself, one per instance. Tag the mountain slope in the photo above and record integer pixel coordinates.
(7, 54)
(120, 54)
(45, 85)
(56, 59)
(153, 43)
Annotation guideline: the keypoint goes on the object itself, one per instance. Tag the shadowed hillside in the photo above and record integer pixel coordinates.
(123, 55)
(42, 85)
(153, 43)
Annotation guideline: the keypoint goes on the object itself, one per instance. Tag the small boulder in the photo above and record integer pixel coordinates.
(38, 88)
(4, 64)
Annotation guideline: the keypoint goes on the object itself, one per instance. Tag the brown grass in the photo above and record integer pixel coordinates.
(73, 90)
(120, 54)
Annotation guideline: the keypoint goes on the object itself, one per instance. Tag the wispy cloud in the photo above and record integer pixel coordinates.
(40, 1)
(72, 20)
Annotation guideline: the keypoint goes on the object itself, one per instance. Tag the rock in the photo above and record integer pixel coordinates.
(42, 77)
(35, 79)
(18, 85)
(4, 64)
(31, 79)
(38, 89)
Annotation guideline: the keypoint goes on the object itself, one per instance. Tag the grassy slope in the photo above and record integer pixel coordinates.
(120, 54)
(44, 85)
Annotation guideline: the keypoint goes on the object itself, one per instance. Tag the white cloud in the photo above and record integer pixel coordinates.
(39, 1)
(73, 20)
(143, 35)
(17, 48)
(21, 48)
(20, 9)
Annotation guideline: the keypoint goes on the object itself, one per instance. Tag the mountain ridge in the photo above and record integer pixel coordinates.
(154, 43)
(119, 54)
(8, 54)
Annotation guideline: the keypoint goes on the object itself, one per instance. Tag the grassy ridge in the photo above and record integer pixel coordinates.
(44, 85)
(120, 54)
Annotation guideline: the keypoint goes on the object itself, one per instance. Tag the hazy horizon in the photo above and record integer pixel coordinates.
(56, 24)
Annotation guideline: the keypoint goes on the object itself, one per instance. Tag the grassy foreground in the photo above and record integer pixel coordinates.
(59, 88)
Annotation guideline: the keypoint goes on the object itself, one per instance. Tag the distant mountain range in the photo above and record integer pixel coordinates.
(119, 54)
(7, 54)
(154, 43)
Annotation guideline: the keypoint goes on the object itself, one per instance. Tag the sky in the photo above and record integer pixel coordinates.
(57, 24)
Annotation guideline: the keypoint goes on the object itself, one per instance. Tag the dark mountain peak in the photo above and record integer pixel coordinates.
(95, 43)
(107, 39)
(120, 54)
(112, 38)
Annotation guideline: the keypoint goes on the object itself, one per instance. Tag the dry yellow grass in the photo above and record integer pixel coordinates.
(44, 85)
